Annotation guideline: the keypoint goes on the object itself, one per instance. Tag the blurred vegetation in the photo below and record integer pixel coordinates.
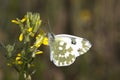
(96, 20)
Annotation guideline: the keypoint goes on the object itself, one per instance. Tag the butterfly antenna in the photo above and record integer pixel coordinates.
(49, 27)
(50, 34)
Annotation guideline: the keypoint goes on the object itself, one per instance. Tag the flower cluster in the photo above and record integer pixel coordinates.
(32, 36)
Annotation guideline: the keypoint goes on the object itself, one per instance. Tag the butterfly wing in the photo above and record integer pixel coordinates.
(65, 48)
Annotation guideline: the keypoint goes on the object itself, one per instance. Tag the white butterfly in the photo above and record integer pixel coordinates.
(65, 48)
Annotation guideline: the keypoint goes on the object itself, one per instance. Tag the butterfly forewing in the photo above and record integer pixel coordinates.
(65, 49)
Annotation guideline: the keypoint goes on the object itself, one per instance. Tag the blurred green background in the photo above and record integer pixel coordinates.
(96, 20)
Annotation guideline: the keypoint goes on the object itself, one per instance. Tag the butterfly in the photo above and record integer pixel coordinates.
(64, 48)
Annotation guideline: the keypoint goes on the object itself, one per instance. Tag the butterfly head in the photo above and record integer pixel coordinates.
(51, 38)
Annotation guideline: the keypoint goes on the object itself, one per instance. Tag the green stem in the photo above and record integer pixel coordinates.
(21, 75)
(24, 72)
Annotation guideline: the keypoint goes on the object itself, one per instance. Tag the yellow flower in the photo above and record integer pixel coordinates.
(38, 36)
(23, 19)
(38, 52)
(20, 62)
(18, 22)
(17, 58)
(45, 41)
(15, 21)
(21, 37)
(39, 41)
(38, 44)
(19, 54)
(30, 29)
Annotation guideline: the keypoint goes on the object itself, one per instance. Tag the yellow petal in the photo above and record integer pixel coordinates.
(23, 19)
(39, 52)
(19, 54)
(15, 21)
(38, 44)
(21, 37)
(39, 40)
(30, 29)
(17, 58)
(19, 62)
(45, 41)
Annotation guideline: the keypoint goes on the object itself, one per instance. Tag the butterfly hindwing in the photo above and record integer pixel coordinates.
(61, 54)
(65, 48)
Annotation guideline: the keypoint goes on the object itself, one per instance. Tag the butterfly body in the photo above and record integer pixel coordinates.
(64, 48)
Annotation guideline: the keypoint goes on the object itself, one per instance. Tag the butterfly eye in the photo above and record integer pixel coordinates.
(51, 36)
(73, 41)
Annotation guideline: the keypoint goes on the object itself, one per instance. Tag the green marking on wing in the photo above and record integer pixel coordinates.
(56, 46)
(84, 41)
(57, 53)
(68, 60)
